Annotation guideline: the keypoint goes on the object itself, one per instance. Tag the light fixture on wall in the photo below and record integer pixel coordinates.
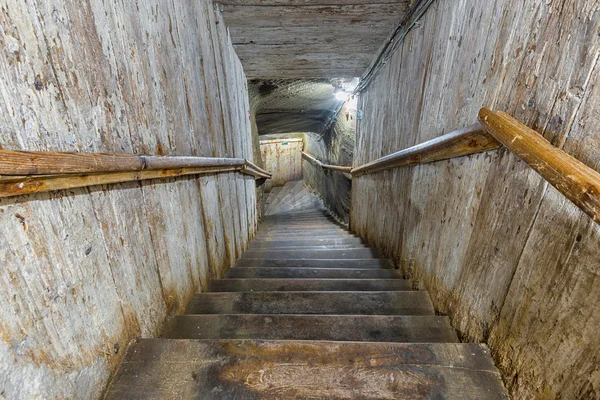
(341, 94)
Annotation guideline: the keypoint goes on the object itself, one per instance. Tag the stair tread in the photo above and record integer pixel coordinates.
(305, 241)
(333, 273)
(305, 254)
(339, 263)
(297, 285)
(218, 369)
(408, 329)
(266, 236)
(288, 191)
(339, 303)
(282, 193)
(310, 311)
(287, 247)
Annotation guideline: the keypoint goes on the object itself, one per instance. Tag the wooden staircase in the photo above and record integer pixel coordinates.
(309, 312)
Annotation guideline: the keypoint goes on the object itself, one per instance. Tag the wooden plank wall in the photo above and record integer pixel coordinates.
(310, 38)
(511, 260)
(84, 271)
(335, 147)
(283, 157)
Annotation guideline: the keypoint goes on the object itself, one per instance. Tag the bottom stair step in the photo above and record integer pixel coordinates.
(252, 369)
(338, 303)
(415, 329)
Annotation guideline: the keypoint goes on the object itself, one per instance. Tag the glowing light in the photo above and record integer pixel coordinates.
(352, 103)
(342, 96)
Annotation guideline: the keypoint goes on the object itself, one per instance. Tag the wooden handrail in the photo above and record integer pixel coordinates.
(578, 182)
(339, 168)
(575, 180)
(23, 172)
(252, 169)
(462, 142)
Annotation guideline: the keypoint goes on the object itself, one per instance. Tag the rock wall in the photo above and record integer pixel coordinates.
(84, 271)
(512, 261)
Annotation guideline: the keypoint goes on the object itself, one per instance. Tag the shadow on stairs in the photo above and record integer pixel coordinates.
(309, 312)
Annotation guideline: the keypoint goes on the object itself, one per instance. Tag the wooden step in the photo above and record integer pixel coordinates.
(255, 369)
(302, 285)
(328, 254)
(298, 226)
(300, 216)
(289, 246)
(293, 221)
(290, 189)
(361, 328)
(266, 236)
(323, 273)
(275, 263)
(339, 303)
(304, 242)
(316, 231)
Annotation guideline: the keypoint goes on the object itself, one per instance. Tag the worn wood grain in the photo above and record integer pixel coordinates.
(486, 234)
(283, 158)
(578, 182)
(460, 143)
(280, 369)
(363, 328)
(310, 39)
(339, 168)
(87, 269)
(335, 147)
(339, 303)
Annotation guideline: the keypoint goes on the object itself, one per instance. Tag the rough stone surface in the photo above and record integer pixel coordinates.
(86, 270)
(293, 105)
(509, 258)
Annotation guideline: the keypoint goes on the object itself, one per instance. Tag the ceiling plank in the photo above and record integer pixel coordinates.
(270, 17)
(271, 3)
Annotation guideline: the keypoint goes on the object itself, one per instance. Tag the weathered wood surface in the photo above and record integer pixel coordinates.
(28, 185)
(304, 39)
(11, 186)
(283, 159)
(354, 328)
(338, 168)
(502, 252)
(339, 303)
(462, 142)
(578, 182)
(336, 147)
(85, 270)
(298, 2)
(331, 273)
(274, 263)
(47, 163)
(304, 285)
(211, 369)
